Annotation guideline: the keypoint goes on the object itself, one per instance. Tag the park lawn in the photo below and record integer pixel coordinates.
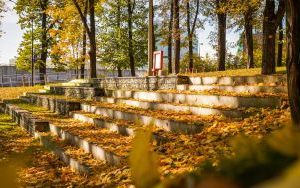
(236, 72)
(15, 92)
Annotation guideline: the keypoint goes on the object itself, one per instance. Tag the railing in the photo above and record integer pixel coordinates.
(25, 79)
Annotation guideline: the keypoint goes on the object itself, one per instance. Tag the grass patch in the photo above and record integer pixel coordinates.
(237, 72)
(15, 92)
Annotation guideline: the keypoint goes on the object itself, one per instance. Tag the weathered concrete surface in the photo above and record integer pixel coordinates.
(195, 99)
(236, 89)
(166, 124)
(77, 92)
(35, 126)
(25, 119)
(73, 163)
(97, 152)
(232, 113)
(61, 106)
(140, 83)
(123, 130)
(239, 80)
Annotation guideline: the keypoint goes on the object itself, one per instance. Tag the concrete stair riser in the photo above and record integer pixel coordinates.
(238, 80)
(236, 89)
(22, 117)
(77, 92)
(232, 113)
(97, 152)
(61, 154)
(61, 106)
(104, 124)
(193, 99)
(126, 131)
(168, 125)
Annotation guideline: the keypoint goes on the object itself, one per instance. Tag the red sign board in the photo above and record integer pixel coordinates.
(158, 60)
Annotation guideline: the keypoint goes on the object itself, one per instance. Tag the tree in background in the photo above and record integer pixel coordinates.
(293, 58)
(191, 24)
(69, 48)
(271, 22)
(90, 28)
(27, 11)
(216, 11)
(114, 39)
(165, 12)
(280, 44)
(176, 36)
(221, 16)
(246, 16)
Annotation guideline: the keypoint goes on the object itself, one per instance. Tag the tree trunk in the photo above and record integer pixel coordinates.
(269, 37)
(249, 38)
(150, 38)
(44, 43)
(130, 38)
(190, 36)
(93, 47)
(84, 45)
(280, 45)
(170, 41)
(221, 39)
(82, 66)
(177, 37)
(270, 24)
(119, 71)
(293, 63)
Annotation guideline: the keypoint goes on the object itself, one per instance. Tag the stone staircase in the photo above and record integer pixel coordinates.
(89, 127)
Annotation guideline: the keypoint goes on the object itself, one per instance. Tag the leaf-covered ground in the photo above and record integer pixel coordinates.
(35, 166)
(237, 72)
(15, 92)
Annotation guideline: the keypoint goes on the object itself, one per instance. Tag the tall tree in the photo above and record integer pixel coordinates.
(176, 35)
(245, 17)
(151, 39)
(113, 37)
(280, 45)
(191, 27)
(130, 9)
(170, 40)
(43, 24)
(84, 43)
(293, 61)
(90, 27)
(271, 22)
(221, 16)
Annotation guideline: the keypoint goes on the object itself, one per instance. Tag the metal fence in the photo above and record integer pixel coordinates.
(24, 79)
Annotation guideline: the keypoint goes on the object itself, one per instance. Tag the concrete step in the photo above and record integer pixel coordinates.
(187, 127)
(78, 92)
(125, 128)
(22, 117)
(198, 99)
(140, 116)
(236, 89)
(73, 157)
(196, 110)
(239, 80)
(102, 144)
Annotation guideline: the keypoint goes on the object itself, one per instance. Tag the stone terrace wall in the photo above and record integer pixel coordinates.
(140, 83)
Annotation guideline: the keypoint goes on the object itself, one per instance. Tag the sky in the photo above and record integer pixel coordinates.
(12, 37)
